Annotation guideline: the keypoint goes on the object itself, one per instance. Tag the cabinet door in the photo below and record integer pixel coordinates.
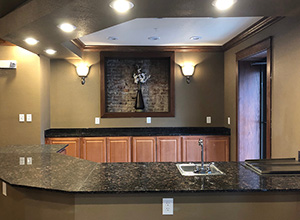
(73, 148)
(143, 149)
(94, 149)
(191, 151)
(168, 149)
(118, 149)
(216, 148)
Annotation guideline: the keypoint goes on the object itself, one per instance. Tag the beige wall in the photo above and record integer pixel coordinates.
(21, 92)
(76, 106)
(285, 87)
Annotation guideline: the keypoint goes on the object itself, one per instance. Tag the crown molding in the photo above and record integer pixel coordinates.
(5, 43)
(249, 32)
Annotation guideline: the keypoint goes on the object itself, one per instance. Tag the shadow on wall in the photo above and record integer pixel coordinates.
(8, 74)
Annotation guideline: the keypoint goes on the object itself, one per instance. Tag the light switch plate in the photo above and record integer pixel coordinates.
(29, 117)
(208, 120)
(97, 120)
(228, 120)
(167, 206)
(22, 161)
(148, 120)
(29, 160)
(21, 117)
(4, 189)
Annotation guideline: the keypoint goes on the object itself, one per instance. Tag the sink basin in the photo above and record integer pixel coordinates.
(187, 169)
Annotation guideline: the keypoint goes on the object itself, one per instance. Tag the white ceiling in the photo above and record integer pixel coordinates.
(172, 31)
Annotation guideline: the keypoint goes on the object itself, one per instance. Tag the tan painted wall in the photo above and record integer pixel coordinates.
(19, 93)
(76, 106)
(24, 90)
(285, 87)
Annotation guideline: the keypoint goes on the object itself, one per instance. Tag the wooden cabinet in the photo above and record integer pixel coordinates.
(73, 148)
(216, 148)
(94, 149)
(191, 151)
(118, 149)
(168, 149)
(146, 149)
(143, 149)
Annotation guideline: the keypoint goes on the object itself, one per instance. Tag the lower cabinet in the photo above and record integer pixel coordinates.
(73, 148)
(118, 149)
(215, 148)
(168, 149)
(94, 149)
(146, 149)
(143, 149)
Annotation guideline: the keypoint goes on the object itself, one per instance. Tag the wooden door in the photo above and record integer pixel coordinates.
(73, 148)
(94, 149)
(168, 149)
(216, 148)
(191, 151)
(143, 149)
(118, 149)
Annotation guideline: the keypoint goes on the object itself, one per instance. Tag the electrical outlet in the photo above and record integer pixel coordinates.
(22, 161)
(97, 120)
(167, 206)
(228, 120)
(4, 189)
(29, 117)
(21, 117)
(29, 160)
(148, 120)
(208, 120)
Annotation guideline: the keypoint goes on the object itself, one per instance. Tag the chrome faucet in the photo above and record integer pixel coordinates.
(202, 168)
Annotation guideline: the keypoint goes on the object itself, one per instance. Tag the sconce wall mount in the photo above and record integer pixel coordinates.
(82, 71)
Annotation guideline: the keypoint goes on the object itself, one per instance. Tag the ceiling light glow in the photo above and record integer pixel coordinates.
(50, 51)
(121, 6)
(66, 27)
(223, 4)
(31, 41)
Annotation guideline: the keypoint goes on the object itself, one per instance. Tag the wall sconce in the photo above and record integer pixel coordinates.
(188, 71)
(82, 71)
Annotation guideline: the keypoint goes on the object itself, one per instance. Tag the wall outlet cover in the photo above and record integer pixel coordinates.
(4, 189)
(97, 120)
(148, 120)
(167, 206)
(21, 117)
(29, 117)
(208, 120)
(22, 161)
(29, 160)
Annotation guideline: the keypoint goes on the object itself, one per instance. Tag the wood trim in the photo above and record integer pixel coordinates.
(5, 43)
(252, 50)
(170, 55)
(251, 31)
(99, 48)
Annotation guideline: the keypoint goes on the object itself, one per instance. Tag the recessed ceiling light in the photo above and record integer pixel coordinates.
(50, 51)
(153, 38)
(121, 5)
(195, 38)
(112, 38)
(66, 27)
(223, 4)
(31, 41)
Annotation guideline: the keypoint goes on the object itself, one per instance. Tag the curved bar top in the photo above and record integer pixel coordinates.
(53, 171)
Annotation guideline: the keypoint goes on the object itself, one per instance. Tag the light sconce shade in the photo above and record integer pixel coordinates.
(82, 71)
(188, 71)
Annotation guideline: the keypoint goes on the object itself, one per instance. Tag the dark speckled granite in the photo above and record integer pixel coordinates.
(153, 131)
(55, 171)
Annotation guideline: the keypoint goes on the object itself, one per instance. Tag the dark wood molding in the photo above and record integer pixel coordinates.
(78, 43)
(251, 31)
(265, 45)
(137, 54)
(5, 43)
(254, 49)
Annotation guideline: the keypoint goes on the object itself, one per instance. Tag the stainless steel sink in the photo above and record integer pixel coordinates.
(188, 169)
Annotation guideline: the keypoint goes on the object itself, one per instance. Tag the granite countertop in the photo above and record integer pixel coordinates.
(147, 131)
(54, 171)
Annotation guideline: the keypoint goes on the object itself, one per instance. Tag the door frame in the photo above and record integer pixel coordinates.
(264, 45)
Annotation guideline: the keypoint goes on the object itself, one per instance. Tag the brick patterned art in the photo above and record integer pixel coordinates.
(121, 89)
